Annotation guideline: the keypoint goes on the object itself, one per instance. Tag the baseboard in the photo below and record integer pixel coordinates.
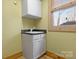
(44, 53)
(48, 53)
(14, 56)
(53, 55)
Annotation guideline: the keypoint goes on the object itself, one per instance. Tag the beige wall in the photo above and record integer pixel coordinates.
(27, 23)
(56, 41)
(12, 24)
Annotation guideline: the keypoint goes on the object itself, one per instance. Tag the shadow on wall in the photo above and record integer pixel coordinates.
(30, 23)
(27, 23)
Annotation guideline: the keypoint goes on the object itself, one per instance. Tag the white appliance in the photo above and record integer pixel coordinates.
(31, 9)
(34, 44)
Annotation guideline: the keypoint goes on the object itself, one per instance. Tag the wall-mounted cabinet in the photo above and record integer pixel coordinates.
(31, 9)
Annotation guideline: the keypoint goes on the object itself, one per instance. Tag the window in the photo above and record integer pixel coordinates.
(62, 15)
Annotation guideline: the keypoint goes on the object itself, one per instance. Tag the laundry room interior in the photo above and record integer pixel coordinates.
(27, 19)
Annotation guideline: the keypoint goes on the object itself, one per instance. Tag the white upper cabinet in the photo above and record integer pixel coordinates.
(31, 8)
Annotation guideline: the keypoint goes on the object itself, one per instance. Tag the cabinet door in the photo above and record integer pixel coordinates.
(42, 44)
(36, 49)
(39, 45)
(27, 46)
(34, 7)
